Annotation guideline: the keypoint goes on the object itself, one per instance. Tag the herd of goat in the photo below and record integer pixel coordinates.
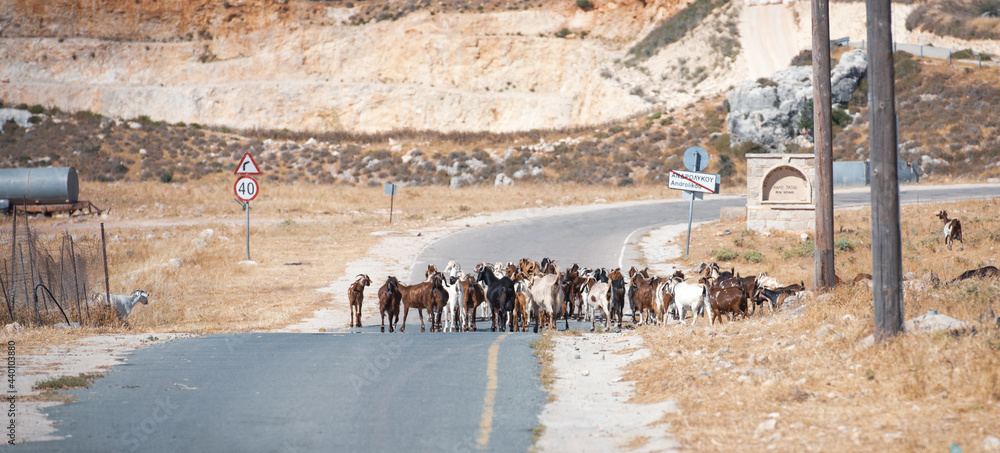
(516, 293)
(513, 294)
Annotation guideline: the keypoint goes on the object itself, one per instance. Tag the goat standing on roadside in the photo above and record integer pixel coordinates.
(952, 229)
(123, 303)
(356, 295)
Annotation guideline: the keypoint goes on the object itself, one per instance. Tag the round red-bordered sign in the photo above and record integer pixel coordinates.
(246, 188)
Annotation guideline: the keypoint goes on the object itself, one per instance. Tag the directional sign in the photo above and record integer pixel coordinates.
(696, 158)
(390, 188)
(693, 181)
(246, 188)
(247, 166)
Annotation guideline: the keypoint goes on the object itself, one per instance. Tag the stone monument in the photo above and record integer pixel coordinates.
(780, 192)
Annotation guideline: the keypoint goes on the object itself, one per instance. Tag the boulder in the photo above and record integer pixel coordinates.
(933, 322)
(844, 77)
(767, 111)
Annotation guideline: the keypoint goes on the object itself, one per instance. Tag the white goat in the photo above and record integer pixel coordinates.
(454, 316)
(765, 281)
(452, 270)
(596, 296)
(124, 303)
(690, 296)
(546, 299)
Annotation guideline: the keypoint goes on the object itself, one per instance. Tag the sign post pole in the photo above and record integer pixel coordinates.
(248, 230)
(690, 217)
(246, 188)
(390, 190)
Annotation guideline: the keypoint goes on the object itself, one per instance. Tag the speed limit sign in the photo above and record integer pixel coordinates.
(246, 188)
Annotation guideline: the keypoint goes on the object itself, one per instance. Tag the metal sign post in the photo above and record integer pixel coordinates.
(693, 183)
(246, 188)
(691, 196)
(390, 189)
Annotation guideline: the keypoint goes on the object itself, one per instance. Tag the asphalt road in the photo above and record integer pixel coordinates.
(282, 392)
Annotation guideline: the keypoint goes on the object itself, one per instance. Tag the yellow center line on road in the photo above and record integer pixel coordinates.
(486, 423)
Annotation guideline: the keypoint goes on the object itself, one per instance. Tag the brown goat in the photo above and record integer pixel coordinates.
(474, 297)
(643, 301)
(952, 229)
(431, 270)
(356, 295)
(732, 300)
(388, 302)
(430, 296)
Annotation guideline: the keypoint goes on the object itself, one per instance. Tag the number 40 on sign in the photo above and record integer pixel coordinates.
(246, 188)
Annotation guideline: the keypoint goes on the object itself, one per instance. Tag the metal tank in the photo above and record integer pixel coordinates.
(39, 185)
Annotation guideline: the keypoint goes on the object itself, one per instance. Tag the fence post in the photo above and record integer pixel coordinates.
(107, 283)
(6, 301)
(13, 263)
(980, 56)
(949, 57)
(76, 282)
(24, 278)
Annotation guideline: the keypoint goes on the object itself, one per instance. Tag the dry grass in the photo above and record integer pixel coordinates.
(543, 347)
(827, 392)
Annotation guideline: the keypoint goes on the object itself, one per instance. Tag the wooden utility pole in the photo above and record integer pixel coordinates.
(887, 258)
(823, 143)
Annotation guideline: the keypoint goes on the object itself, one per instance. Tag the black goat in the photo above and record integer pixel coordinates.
(501, 296)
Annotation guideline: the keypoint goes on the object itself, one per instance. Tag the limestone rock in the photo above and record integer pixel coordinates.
(767, 111)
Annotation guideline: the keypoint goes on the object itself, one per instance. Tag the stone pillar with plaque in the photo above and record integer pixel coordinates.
(780, 192)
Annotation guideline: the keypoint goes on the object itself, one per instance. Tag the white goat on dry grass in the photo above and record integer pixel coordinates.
(124, 303)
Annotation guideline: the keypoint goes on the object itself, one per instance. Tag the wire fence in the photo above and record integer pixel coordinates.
(46, 280)
(923, 51)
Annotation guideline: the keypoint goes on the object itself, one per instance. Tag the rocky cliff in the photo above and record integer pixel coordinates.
(381, 65)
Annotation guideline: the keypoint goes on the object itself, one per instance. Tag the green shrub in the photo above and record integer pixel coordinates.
(166, 176)
(36, 109)
(615, 129)
(655, 116)
(766, 82)
(585, 5)
(844, 245)
(841, 118)
(121, 169)
(727, 167)
(802, 249)
(753, 256)
(68, 382)
(726, 254)
(806, 117)
(563, 33)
